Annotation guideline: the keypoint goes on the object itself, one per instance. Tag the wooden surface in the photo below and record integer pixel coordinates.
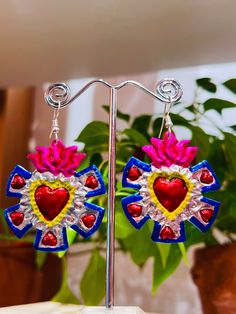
(214, 273)
(21, 282)
(16, 110)
(43, 308)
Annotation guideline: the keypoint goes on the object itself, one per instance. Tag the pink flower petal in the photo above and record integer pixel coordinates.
(169, 137)
(180, 149)
(74, 162)
(57, 158)
(190, 154)
(46, 155)
(37, 161)
(68, 158)
(168, 151)
(171, 152)
(57, 148)
(151, 152)
(159, 147)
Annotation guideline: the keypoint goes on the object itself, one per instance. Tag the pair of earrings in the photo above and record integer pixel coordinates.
(54, 197)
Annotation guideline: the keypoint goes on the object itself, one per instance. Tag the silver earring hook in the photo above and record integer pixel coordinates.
(166, 120)
(56, 96)
(55, 124)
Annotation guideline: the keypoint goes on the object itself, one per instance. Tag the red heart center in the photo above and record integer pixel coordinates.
(51, 201)
(170, 193)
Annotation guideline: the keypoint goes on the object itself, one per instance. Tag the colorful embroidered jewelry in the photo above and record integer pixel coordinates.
(54, 197)
(170, 191)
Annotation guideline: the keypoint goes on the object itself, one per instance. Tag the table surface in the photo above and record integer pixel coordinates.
(42, 308)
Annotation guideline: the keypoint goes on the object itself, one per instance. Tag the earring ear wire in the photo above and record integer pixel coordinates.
(166, 119)
(55, 129)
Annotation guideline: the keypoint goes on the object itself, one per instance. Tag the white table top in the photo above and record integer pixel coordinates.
(43, 307)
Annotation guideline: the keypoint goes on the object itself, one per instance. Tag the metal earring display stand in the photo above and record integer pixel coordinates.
(168, 91)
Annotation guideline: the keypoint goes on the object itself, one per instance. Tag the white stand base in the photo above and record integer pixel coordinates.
(114, 310)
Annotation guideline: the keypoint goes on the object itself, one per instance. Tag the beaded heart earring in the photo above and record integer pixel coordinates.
(54, 196)
(170, 191)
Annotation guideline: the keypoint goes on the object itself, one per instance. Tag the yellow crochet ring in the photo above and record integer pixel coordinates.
(51, 185)
(171, 215)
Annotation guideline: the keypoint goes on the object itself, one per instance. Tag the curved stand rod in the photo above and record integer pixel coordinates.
(58, 96)
(167, 90)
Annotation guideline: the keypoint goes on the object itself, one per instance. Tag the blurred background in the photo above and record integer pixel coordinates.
(78, 40)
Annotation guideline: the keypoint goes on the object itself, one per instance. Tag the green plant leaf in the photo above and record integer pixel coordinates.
(233, 127)
(138, 138)
(156, 125)
(230, 151)
(140, 245)
(227, 200)
(218, 104)
(120, 115)
(160, 273)
(164, 249)
(95, 136)
(200, 139)
(184, 253)
(40, 259)
(92, 284)
(123, 227)
(142, 123)
(147, 249)
(85, 162)
(179, 120)
(65, 295)
(96, 159)
(124, 152)
(206, 84)
(194, 236)
(231, 85)
(216, 149)
(71, 236)
(227, 223)
(232, 209)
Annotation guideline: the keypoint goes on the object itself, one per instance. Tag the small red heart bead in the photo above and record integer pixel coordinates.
(89, 220)
(206, 177)
(17, 218)
(133, 174)
(206, 214)
(135, 210)
(18, 182)
(91, 182)
(49, 239)
(167, 233)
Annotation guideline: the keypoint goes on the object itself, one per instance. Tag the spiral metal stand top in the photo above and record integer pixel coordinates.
(58, 95)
